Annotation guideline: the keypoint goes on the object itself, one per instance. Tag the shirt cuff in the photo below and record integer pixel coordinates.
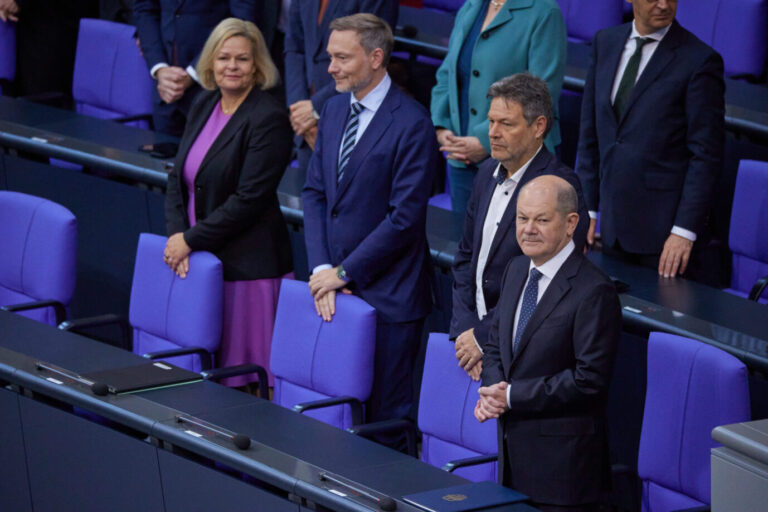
(477, 344)
(159, 65)
(688, 235)
(592, 215)
(508, 403)
(315, 114)
(192, 73)
(324, 266)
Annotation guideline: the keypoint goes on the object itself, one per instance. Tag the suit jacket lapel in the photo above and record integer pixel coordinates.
(605, 75)
(557, 289)
(506, 13)
(662, 57)
(516, 277)
(322, 28)
(539, 163)
(482, 211)
(373, 133)
(337, 118)
(233, 126)
(195, 126)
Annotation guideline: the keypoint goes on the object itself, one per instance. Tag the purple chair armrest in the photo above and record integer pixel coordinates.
(470, 461)
(388, 427)
(78, 325)
(217, 374)
(205, 357)
(355, 405)
(758, 288)
(58, 308)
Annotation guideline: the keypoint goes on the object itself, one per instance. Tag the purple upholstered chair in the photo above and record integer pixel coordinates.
(450, 6)
(167, 312)
(748, 238)
(323, 368)
(37, 257)
(7, 53)
(737, 29)
(443, 199)
(110, 79)
(583, 18)
(692, 388)
(450, 432)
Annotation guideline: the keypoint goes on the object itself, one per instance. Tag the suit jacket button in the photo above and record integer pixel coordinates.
(475, 73)
(484, 35)
(334, 214)
(619, 141)
(473, 111)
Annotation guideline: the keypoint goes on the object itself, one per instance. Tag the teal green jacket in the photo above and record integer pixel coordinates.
(525, 35)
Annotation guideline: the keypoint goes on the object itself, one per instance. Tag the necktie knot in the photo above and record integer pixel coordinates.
(642, 41)
(357, 107)
(535, 275)
(501, 176)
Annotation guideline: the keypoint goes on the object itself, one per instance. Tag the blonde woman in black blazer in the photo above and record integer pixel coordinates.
(222, 192)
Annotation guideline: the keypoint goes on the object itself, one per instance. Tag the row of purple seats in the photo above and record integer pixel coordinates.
(7, 53)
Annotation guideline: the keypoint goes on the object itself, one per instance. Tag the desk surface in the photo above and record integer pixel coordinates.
(288, 450)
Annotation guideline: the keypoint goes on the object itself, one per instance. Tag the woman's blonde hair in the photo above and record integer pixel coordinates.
(265, 75)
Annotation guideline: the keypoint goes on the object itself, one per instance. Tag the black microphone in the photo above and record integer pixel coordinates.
(100, 389)
(387, 503)
(242, 441)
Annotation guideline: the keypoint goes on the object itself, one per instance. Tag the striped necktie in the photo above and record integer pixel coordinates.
(350, 136)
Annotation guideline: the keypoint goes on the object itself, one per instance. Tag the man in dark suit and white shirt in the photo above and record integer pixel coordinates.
(365, 206)
(519, 119)
(549, 358)
(652, 138)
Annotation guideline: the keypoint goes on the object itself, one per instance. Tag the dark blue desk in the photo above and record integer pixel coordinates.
(130, 452)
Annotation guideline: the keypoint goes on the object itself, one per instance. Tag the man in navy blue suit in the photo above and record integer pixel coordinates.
(365, 204)
(308, 84)
(652, 137)
(519, 118)
(172, 34)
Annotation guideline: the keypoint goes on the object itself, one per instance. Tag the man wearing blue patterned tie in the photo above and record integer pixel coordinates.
(365, 204)
(549, 357)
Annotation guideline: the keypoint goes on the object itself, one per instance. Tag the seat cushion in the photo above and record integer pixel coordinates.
(657, 498)
(288, 394)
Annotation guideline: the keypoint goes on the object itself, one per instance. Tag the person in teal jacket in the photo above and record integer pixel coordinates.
(492, 39)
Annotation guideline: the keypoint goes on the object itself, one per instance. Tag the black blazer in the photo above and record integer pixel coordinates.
(553, 438)
(236, 206)
(657, 166)
(504, 246)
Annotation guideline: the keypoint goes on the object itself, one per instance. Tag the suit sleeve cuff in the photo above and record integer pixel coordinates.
(477, 344)
(192, 73)
(688, 235)
(324, 266)
(592, 214)
(159, 65)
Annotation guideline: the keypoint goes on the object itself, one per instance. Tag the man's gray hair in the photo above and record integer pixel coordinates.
(373, 32)
(530, 92)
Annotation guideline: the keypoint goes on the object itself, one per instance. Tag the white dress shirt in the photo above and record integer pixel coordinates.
(502, 194)
(371, 103)
(647, 52)
(548, 271)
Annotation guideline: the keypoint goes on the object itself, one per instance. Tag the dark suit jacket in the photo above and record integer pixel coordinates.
(306, 59)
(373, 221)
(504, 246)
(238, 215)
(553, 437)
(174, 31)
(656, 167)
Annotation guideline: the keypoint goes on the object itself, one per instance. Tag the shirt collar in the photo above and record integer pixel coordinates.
(550, 268)
(657, 36)
(373, 100)
(501, 171)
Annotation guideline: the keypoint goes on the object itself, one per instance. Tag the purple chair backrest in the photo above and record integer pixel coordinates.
(168, 312)
(443, 5)
(39, 253)
(748, 238)
(446, 413)
(312, 359)
(692, 388)
(110, 77)
(7, 50)
(583, 18)
(737, 29)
